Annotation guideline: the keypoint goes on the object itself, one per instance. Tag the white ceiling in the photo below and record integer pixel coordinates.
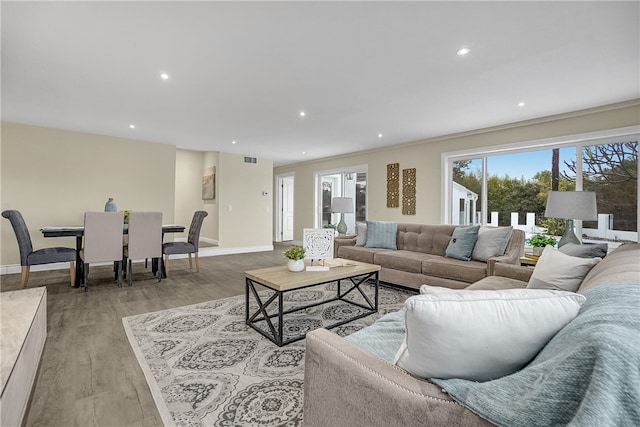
(244, 70)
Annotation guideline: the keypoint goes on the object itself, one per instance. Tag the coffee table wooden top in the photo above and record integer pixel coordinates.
(281, 279)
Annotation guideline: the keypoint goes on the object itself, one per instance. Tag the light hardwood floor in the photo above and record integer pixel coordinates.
(88, 374)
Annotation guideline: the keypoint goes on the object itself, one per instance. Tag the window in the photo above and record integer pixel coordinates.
(509, 185)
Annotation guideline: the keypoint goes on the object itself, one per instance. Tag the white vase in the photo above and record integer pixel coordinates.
(537, 250)
(295, 265)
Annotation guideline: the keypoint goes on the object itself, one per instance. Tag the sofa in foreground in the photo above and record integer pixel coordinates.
(417, 254)
(586, 374)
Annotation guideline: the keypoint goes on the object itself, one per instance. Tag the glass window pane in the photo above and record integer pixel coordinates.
(466, 193)
(611, 170)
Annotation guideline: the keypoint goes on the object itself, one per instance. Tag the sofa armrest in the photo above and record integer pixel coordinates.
(337, 242)
(513, 271)
(346, 386)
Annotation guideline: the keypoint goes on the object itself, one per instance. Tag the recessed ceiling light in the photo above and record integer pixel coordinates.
(302, 114)
(132, 126)
(463, 51)
(520, 104)
(233, 142)
(379, 135)
(164, 76)
(304, 152)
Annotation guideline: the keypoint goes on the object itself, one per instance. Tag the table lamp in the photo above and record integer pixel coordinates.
(570, 205)
(342, 205)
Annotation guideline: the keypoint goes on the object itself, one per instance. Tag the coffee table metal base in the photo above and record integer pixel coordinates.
(275, 332)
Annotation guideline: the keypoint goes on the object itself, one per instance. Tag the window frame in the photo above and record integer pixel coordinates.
(579, 141)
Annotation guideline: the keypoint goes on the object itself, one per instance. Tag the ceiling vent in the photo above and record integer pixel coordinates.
(248, 159)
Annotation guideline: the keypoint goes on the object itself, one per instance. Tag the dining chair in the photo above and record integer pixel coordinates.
(188, 247)
(102, 242)
(145, 240)
(29, 257)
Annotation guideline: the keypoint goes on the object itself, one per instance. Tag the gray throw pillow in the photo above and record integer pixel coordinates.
(586, 250)
(557, 271)
(462, 242)
(492, 241)
(381, 234)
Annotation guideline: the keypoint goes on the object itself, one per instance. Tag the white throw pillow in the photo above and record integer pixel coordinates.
(361, 229)
(480, 335)
(556, 270)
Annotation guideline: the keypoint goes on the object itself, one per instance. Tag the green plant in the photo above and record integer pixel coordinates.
(333, 227)
(540, 241)
(295, 253)
(554, 226)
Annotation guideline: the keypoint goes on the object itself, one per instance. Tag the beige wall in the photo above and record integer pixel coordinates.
(245, 214)
(54, 176)
(425, 156)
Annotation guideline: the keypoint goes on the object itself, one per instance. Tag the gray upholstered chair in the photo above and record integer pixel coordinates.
(102, 242)
(29, 257)
(145, 240)
(188, 247)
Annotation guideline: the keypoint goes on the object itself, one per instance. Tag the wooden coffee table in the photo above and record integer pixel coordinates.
(280, 281)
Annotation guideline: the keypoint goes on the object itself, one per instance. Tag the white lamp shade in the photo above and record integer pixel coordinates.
(572, 205)
(342, 205)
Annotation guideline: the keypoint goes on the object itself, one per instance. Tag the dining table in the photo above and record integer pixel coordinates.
(77, 231)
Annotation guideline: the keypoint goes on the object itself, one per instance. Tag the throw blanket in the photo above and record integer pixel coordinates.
(587, 375)
(383, 338)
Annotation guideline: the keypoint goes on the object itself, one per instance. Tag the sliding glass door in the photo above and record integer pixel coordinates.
(352, 183)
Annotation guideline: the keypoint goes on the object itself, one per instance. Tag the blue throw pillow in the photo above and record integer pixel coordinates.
(381, 234)
(462, 242)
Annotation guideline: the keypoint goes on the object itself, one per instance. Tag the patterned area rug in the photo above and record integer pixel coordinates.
(206, 367)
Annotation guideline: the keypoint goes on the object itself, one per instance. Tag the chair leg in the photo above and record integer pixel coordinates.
(166, 265)
(119, 272)
(130, 273)
(190, 265)
(72, 273)
(197, 263)
(159, 263)
(85, 280)
(24, 278)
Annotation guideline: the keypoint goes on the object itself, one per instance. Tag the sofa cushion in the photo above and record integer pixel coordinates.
(381, 234)
(480, 335)
(492, 242)
(425, 238)
(402, 260)
(555, 270)
(585, 250)
(359, 253)
(462, 242)
(455, 269)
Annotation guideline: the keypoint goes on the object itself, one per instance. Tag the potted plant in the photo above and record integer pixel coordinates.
(539, 241)
(295, 254)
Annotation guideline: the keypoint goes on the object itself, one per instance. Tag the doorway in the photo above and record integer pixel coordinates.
(285, 209)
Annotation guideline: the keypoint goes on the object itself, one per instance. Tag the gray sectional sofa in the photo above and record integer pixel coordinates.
(420, 257)
(585, 375)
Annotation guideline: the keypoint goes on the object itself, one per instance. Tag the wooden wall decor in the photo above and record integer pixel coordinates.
(409, 191)
(393, 185)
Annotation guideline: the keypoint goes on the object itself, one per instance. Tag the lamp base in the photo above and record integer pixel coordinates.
(568, 236)
(342, 226)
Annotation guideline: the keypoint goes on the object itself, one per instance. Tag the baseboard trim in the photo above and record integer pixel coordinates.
(214, 251)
